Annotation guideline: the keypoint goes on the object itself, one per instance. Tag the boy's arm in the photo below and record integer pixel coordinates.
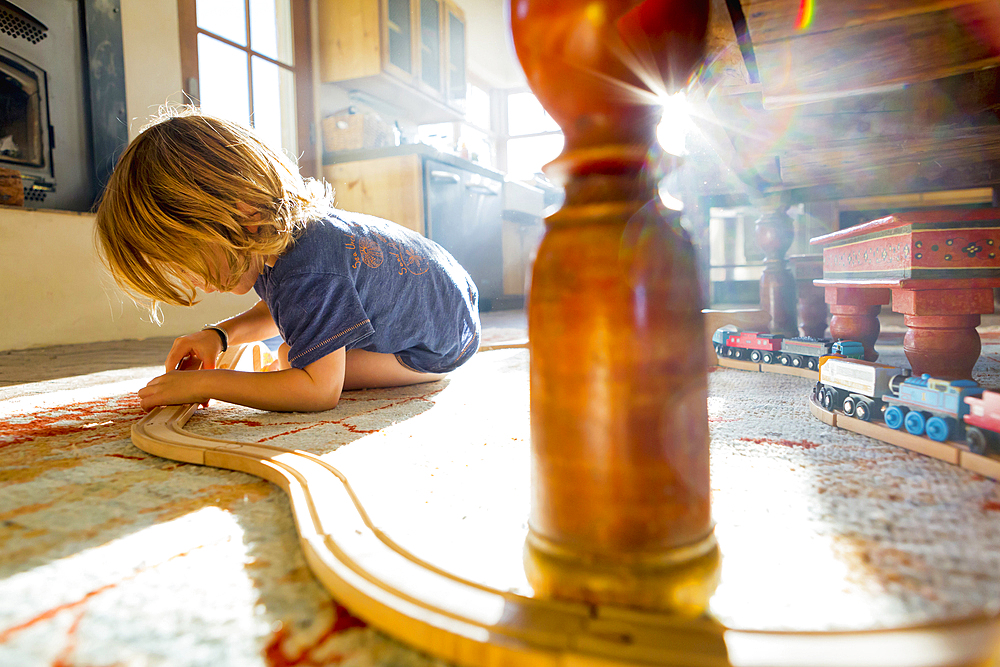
(205, 346)
(316, 387)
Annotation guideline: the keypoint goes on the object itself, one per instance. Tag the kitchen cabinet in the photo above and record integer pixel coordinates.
(389, 187)
(450, 200)
(408, 53)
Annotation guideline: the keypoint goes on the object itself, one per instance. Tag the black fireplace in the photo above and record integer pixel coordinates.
(62, 109)
(25, 140)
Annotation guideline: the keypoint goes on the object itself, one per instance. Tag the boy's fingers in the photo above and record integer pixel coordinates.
(189, 363)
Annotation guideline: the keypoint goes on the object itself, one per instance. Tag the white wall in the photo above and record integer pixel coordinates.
(491, 54)
(151, 42)
(55, 291)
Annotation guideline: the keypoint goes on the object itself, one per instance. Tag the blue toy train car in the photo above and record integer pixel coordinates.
(923, 405)
(930, 405)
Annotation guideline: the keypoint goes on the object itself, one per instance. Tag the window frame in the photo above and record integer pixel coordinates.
(504, 135)
(302, 68)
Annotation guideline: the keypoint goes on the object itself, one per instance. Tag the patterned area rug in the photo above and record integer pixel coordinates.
(109, 556)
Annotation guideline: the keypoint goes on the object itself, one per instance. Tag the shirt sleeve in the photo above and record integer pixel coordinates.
(317, 314)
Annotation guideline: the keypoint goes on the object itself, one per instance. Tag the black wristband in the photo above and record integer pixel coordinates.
(222, 334)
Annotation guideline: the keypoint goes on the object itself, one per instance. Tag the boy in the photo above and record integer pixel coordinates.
(197, 202)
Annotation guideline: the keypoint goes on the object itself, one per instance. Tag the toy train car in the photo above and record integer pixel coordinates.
(931, 406)
(805, 351)
(748, 345)
(925, 406)
(856, 387)
(982, 423)
(798, 352)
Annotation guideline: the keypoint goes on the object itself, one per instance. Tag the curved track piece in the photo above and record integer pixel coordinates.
(471, 624)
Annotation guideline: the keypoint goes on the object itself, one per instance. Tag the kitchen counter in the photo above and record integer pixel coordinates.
(336, 157)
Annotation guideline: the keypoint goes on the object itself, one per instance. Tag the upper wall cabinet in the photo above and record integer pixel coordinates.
(409, 53)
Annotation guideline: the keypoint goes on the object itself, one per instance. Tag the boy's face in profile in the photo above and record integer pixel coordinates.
(219, 267)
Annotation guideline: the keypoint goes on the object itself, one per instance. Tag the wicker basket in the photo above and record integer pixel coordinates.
(343, 132)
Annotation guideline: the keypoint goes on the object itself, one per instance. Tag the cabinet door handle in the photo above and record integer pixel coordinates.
(439, 176)
(481, 189)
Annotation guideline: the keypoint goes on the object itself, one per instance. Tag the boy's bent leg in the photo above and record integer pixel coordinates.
(368, 370)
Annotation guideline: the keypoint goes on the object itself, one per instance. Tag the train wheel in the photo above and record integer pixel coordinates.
(850, 403)
(737, 353)
(797, 361)
(812, 363)
(767, 358)
(915, 422)
(826, 398)
(755, 356)
(785, 360)
(863, 410)
(978, 440)
(940, 428)
(894, 416)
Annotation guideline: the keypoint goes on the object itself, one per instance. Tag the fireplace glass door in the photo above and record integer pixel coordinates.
(22, 124)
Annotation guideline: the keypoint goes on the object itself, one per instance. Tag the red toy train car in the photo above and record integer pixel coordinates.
(982, 423)
(751, 345)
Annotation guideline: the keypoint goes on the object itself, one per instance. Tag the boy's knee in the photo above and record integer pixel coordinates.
(283, 357)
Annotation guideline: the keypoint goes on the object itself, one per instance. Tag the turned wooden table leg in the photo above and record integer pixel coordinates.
(619, 426)
(854, 315)
(812, 309)
(941, 337)
(774, 233)
(944, 346)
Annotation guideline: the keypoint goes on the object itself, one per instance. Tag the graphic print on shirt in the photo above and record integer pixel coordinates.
(409, 261)
(367, 251)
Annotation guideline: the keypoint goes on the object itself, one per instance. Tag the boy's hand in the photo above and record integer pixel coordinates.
(174, 388)
(201, 347)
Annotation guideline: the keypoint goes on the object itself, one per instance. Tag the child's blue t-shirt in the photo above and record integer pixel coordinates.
(356, 281)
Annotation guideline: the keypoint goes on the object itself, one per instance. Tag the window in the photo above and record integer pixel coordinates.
(532, 137)
(473, 138)
(248, 61)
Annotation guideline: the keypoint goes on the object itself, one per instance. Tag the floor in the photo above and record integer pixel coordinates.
(20, 367)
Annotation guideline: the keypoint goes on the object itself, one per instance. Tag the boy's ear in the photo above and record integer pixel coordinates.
(251, 228)
(248, 212)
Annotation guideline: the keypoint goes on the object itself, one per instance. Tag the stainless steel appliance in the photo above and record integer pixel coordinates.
(463, 215)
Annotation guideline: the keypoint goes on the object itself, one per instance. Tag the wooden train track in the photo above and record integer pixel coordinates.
(955, 453)
(472, 624)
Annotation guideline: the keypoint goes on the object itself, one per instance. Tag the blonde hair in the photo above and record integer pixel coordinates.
(173, 197)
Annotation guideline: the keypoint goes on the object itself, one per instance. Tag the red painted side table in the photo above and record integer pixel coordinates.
(938, 268)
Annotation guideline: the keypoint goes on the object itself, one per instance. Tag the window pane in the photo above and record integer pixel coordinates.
(226, 18)
(430, 43)
(274, 105)
(223, 82)
(478, 145)
(456, 60)
(525, 157)
(478, 110)
(525, 115)
(271, 29)
(399, 34)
